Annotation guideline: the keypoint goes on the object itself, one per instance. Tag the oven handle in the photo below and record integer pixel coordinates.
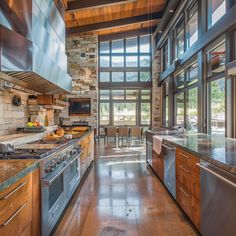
(76, 157)
(217, 175)
(50, 181)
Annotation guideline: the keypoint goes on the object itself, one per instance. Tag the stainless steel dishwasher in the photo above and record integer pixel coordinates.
(218, 201)
(149, 152)
(169, 168)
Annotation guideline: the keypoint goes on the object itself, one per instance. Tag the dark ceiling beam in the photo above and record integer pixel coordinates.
(86, 4)
(114, 23)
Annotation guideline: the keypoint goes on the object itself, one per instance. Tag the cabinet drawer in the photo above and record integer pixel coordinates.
(14, 222)
(16, 194)
(190, 180)
(188, 203)
(187, 161)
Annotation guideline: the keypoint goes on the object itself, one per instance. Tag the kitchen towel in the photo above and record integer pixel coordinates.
(157, 144)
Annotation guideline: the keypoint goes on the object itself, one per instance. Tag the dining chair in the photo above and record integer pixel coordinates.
(111, 132)
(136, 132)
(123, 132)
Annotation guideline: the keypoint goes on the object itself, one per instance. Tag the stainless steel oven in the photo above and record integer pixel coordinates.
(54, 198)
(73, 174)
(60, 175)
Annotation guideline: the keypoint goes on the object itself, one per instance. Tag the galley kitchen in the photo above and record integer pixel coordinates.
(117, 117)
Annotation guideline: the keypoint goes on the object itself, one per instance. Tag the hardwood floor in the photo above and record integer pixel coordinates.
(121, 196)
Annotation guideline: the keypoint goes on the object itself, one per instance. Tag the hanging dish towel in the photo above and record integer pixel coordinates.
(157, 144)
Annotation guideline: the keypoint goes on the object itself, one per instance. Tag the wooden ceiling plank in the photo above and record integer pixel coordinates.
(82, 4)
(127, 33)
(119, 22)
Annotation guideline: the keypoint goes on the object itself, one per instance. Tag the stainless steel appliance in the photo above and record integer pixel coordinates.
(6, 148)
(149, 152)
(60, 175)
(169, 168)
(218, 201)
(32, 45)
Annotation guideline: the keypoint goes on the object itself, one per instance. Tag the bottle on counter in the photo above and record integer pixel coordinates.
(46, 121)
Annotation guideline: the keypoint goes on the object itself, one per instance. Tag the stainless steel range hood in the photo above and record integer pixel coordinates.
(32, 45)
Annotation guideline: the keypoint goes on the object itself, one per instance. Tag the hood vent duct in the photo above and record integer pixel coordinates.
(32, 45)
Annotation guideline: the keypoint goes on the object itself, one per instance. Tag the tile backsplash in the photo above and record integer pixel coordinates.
(11, 116)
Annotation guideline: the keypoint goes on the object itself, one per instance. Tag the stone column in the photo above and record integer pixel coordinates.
(156, 91)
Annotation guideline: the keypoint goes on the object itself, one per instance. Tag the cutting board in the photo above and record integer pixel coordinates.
(38, 146)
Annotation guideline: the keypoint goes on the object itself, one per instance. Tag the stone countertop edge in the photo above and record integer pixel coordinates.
(7, 183)
(219, 164)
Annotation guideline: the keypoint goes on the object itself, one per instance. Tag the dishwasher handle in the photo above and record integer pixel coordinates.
(217, 175)
(168, 147)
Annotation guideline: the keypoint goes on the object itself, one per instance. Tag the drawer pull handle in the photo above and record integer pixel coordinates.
(182, 190)
(14, 215)
(13, 191)
(183, 155)
(185, 170)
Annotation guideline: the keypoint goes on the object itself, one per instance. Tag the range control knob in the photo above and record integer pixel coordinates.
(47, 170)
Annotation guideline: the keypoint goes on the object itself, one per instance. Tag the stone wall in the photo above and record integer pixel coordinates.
(156, 91)
(12, 117)
(82, 52)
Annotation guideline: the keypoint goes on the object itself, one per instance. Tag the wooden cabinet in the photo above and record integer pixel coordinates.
(158, 164)
(87, 146)
(188, 185)
(17, 212)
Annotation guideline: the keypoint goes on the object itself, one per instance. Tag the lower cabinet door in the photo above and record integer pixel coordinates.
(15, 222)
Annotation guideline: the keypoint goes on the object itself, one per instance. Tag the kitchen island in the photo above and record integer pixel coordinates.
(200, 169)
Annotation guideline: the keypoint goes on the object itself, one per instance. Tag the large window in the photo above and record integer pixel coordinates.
(192, 26)
(216, 105)
(216, 59)
(124, 81)
(180, 109)
(186, 97)
(191, 109)
(216, 87)
(179, 39)
(165, 58)
(216, 9)
(104, 113)
(125, 107)
(124, 113)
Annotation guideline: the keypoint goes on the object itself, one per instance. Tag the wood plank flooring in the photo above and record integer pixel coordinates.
(122, 197)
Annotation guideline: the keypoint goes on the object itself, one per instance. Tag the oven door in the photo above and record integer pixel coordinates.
(54, 200)
(73, 175)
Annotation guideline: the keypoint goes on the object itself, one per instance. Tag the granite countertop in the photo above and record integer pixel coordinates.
(13, 170)
(217, 150)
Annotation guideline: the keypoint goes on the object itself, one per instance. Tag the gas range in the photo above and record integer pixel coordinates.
(36, 150)
(59, 163)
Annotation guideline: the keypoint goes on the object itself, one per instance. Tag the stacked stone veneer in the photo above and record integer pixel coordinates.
(12, 117)
(156, 91)
(82, 52)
